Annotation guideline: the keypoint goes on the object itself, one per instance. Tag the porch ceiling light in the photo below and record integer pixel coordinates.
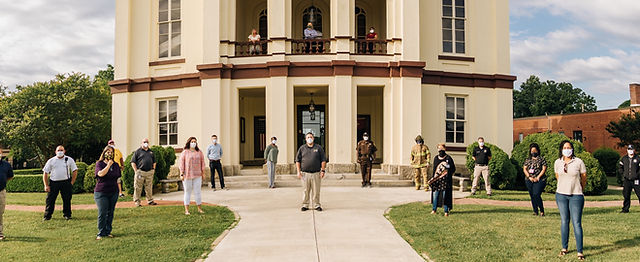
(312, 108)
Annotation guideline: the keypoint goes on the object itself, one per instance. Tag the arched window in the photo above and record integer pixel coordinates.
(361, 23)
(262, 21)
(314, 15)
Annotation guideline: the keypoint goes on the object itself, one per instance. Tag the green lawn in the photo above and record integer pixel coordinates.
(160, 233)
(38, 199)
(513, 195)
(612, 181)
(489, 233)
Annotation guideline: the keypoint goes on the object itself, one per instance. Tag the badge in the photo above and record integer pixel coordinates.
(637, 182)
(315, 150)
(635, 161)
(485, 151)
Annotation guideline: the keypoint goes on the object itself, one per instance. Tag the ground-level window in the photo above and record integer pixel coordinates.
(455, 119)
(168, 122)
(577, 135)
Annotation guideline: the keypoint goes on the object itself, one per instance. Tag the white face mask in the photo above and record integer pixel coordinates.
(60, 153)
(193, 145)
(371, 31)
(365, 138)
(630, 152)
(309, 141)
(112, 146)
(274, 141)
(215, 141)
(567, 152)
(481, 143)
(145, 144)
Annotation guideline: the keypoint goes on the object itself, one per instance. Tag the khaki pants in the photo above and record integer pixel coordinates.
(311, 181)
(3, 202)
(418, 173)
(143, 178)
(484, 170)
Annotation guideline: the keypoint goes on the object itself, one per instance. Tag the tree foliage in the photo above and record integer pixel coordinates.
(625, 104)
(536, 98)
(626, 129)
(73, 110)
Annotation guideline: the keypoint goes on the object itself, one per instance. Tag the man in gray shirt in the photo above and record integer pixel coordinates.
(59, 175)
(311, 162)
(214, 153)
(143, 163)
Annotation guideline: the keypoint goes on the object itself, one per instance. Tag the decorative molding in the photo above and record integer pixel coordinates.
(457, 58)
(167, 62)
(467, 80)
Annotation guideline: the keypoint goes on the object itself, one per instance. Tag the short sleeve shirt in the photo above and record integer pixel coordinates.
(482, 155)
(311, 158)
(60, 169)
(6, 172)
(569, 181)
(143, 159)
(254, 38)
(534, 166)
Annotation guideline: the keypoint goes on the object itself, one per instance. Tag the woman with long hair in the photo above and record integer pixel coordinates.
(105, 193)
(191, 165)
(534, 174)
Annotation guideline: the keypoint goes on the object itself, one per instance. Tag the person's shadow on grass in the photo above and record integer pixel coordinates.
(620, 244)
(23, 239)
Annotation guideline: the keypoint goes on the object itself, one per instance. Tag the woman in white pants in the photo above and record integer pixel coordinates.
(191, 167)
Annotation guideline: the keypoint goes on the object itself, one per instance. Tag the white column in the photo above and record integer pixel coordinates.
(279, 23)
(342, 26)
(342, 124)
(280, 112)
(123, 39)
(211, 31)
(409, 21)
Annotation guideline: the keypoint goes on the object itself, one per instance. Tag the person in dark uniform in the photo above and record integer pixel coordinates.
(441, 182)
(482, 155)
(629, 167)
(366, 151)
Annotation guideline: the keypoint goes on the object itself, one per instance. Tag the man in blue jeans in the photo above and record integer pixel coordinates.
(214, 153)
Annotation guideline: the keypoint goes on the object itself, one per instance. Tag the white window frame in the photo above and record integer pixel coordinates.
(170, 30)
(452, 28)
(455, 120)
(168, 122)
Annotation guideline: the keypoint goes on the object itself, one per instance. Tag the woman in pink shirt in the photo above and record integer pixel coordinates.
(191, 167)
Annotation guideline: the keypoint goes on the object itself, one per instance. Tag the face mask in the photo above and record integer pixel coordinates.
(215, 141)
(145, 144)
(630, 152)
(481, 143)
(365, 138)
(108, 156)
(371, 31)
(112, 146)
(193, 145)
(274, 142)
(309, 141)
(567, 152)
(441, 153)
(60, 153)
(535, 154)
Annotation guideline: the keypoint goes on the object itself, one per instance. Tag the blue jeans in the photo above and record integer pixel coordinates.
(535, 192)
(106, 203)
(435, 196)
(570, 208)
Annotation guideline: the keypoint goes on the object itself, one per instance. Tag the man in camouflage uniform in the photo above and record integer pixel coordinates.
(420, 156)
(366, 151)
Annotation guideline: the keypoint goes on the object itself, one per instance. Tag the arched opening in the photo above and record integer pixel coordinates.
(361, 23)
(312, 15)
(262, 24)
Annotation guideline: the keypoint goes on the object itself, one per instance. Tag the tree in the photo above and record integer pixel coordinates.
(71, 110)
(625, 104)
(536, 98)
(626, 129)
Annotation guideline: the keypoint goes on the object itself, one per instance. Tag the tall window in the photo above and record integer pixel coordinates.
(455, 119)
(361, 23)
(262, 24)
(453, 24)
(168, 122)
(169, 28)
(313, 15)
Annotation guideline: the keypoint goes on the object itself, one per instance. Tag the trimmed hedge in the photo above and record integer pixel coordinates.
(502, 172)
(25, 183)
(32, 171)
(608, 159)
(165, 158)
(90, 178)
(549, 146)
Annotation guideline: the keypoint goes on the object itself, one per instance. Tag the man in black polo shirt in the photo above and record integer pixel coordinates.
(629, 167)
(143, 163)
(482, 155)
(6, 174)
(310, 162)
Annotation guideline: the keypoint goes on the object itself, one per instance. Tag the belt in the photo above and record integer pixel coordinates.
(60, 180)
(214, 160)
(310, 171)
(481, 164)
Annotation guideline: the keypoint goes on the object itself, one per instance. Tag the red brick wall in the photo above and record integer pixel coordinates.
(591, 124)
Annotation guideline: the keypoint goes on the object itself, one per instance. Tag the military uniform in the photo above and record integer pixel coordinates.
(420, 162)
(366, 151)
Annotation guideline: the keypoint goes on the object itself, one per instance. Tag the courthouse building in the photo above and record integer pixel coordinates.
(439, 68)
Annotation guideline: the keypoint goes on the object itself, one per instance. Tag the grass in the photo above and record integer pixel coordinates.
(612, 181)
(160, 233)
(513, 195)
(38, 199)
(489, 233)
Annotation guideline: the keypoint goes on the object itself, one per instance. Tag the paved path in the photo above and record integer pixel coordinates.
(351, 227)
(551, 204)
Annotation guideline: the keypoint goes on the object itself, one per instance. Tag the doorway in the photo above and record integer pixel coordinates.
(259, 136)
(314, 122)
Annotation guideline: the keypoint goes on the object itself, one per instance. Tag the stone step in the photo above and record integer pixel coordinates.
(253, 171)
(325, 183)
(349, 176)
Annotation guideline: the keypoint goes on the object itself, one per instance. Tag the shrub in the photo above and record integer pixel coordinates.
(618, 174)
(502, 172)
(32, 171)
(608, 159)
(26, 183)
(90, 178)
(78, 186)
(165, 158)
(549, 144)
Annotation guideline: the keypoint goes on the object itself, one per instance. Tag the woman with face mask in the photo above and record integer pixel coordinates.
(372, 35)
(441, 183)
(191, 167)
(105, 193)
(534, 172)
(271, 157)
(571, 174)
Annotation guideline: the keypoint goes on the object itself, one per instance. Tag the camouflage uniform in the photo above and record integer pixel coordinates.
(420, 156)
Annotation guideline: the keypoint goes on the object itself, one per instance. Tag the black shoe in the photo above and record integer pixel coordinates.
(67, 217)
(304, 209)
(153, 203)
(46, 219)
(624, 211)
(318, 208)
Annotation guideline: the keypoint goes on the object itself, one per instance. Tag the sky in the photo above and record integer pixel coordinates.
(593, 44)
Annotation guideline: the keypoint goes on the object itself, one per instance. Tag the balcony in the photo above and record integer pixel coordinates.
(310, 46)
(248, 48)
(371, 47)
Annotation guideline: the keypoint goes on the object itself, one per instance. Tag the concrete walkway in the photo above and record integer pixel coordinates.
(351, 227)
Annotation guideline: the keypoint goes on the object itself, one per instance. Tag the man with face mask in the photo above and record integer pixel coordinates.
(372, 35)
(311, 162)
(214, 153)
(366, 151)
(144, 166)
(420, 157)
(629, 167)
(60, 174)
(6, 174)
(482, 155)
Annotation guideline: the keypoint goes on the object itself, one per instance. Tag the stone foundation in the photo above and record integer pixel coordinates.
(281, 169)
(341, 168)
(390, 169)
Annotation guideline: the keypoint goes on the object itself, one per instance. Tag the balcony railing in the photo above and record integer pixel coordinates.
(375, 47)
(310, 46)
(249, 48)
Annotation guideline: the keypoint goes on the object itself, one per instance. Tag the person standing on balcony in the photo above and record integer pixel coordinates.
(372, 35)
(310, 33)
(255, 47)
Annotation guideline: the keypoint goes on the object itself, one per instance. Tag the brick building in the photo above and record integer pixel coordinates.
(589, 127)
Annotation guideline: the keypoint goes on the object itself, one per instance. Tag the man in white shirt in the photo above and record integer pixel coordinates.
(59, 175)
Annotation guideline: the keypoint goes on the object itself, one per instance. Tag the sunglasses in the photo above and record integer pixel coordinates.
(565, 167)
